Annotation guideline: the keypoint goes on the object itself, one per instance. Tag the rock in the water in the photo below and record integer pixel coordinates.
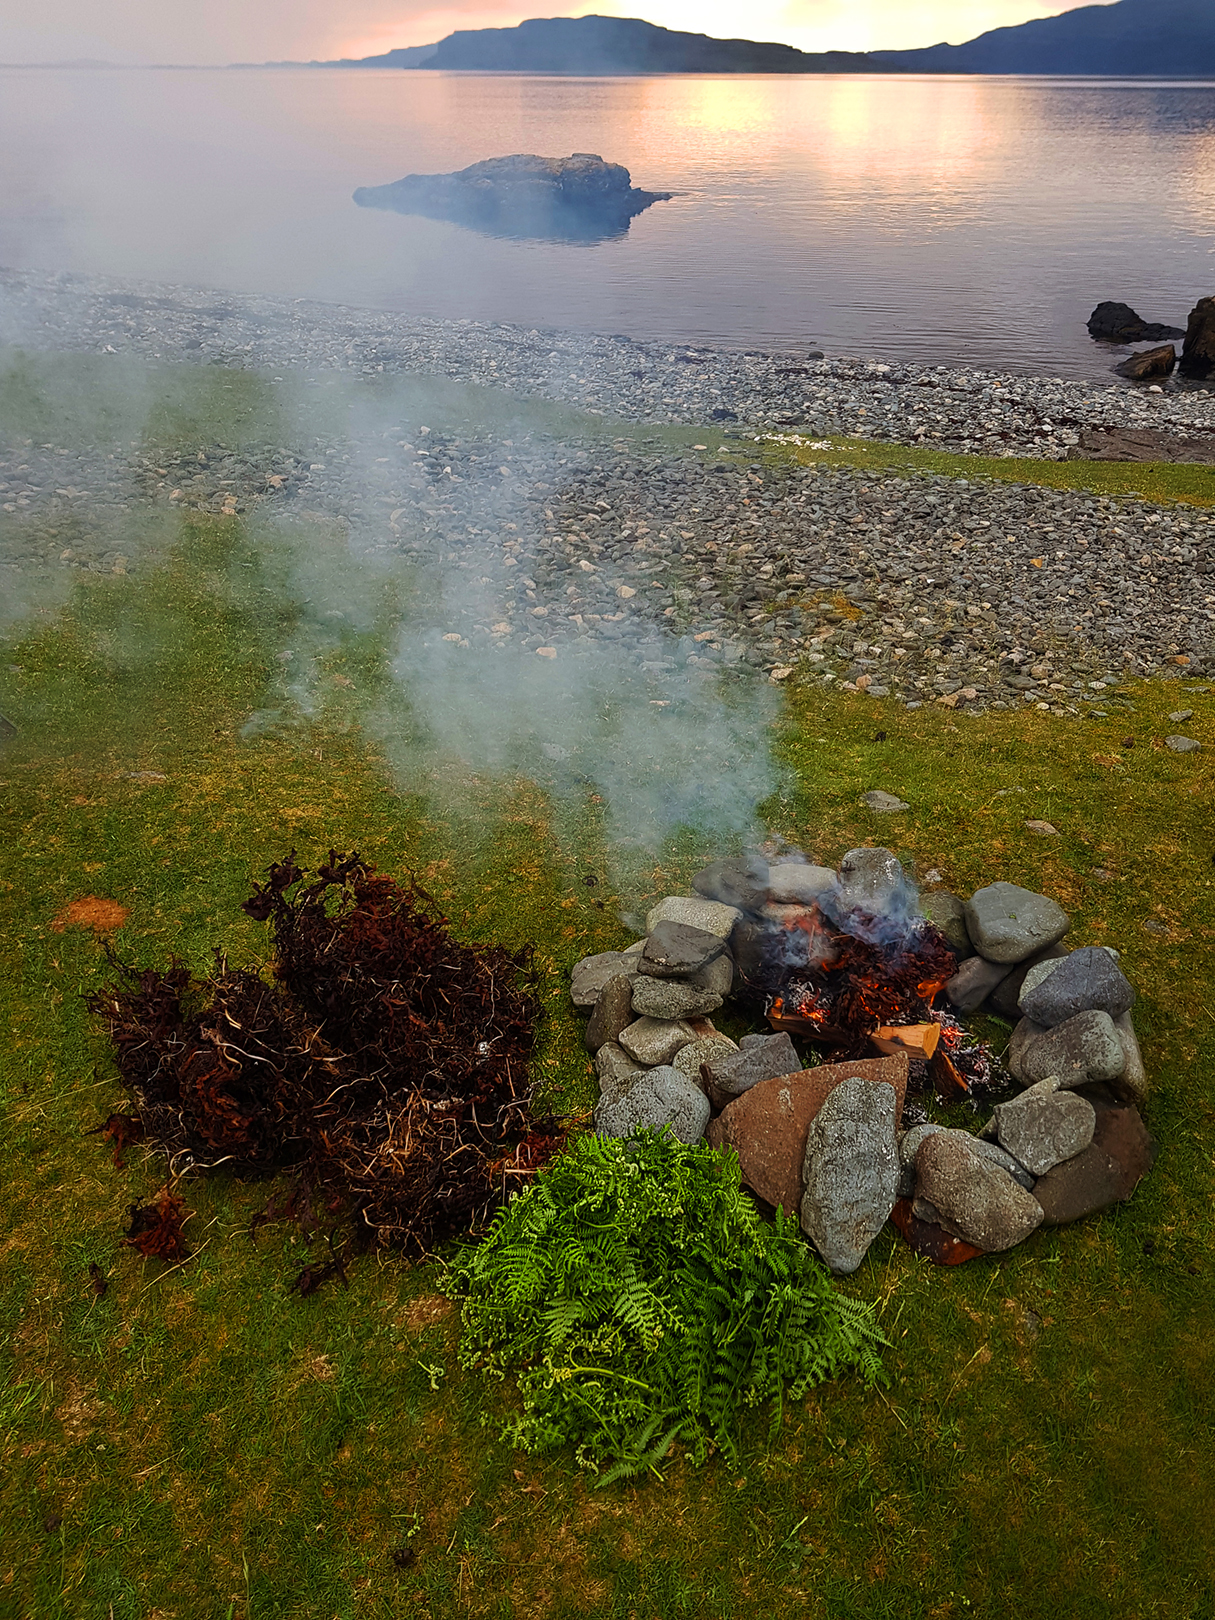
(767, 1058)
(850, 1172)
(740, 883)
(885, 804)
(1198, 351)
(592, 973)
(1082, 1048)
(669, 998)
(948, 913)
(1182, 745)
(977, 1197)
(654, 1041)
(578, 198)
(1106, 1172)
(657, 1097)
(613, 1012)
(797, 883)
(676, 950)
(767, 1125)
(1004, 998)
(614, 1069)
(711, 916)
(1132, 1082)
(1148, 364)
(1007, 923)
(1111, 322)
(1088, 979)
(690, 1057)
(1042, 1128)
(974, 981)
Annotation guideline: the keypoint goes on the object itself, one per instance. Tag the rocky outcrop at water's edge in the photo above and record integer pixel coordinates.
(578, 198)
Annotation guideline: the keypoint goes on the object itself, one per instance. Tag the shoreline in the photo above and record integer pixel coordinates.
(974, 410)
(920, 586)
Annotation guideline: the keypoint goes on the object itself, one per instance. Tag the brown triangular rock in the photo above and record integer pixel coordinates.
(767, 1125)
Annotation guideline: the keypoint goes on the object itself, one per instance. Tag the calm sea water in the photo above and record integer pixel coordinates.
(935, 219)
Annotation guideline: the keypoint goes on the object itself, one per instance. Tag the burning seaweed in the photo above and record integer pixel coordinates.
(386, 1066)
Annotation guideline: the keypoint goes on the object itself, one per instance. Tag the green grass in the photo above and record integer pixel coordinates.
(201, 1442)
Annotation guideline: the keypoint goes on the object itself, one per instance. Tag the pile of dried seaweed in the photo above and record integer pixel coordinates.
(385, 1068)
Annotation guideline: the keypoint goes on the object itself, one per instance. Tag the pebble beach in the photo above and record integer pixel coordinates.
(916, 586)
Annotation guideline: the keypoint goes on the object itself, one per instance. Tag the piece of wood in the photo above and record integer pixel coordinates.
(917, 1040)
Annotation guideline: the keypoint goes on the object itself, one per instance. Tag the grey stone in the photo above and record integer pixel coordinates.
(690, 1057)
(850, 1172)
(739, 883)
(1003, 999)
(797, 883)
(1041, 1130)
(1025, 1032)
(992, 1151)
(909, 1146)
(1085, 1047)
(1087, 980)
(767, 1058)
(884, 804)
(592, 973)
(676, 950)
(668, 998)
(1132, 1082)
(718, 976)
(978, 1199)
(657, 1097)
(694, 912)
(948, 913)
(869, 880)
(1007, 923)
(614, 1069)
(655, 1041)
(1182, 745)
(974, 981)
(613, 1012)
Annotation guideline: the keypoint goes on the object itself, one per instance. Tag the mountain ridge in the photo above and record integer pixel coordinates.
(1129, 38)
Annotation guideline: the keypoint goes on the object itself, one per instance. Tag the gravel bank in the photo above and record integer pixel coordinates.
(921, 587)
(978, 411)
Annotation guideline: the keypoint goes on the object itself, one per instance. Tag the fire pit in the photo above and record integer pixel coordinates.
(874, 985)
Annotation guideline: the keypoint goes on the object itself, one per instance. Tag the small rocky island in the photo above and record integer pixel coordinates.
(574, 199)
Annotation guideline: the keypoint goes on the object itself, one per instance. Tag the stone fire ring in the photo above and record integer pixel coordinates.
(829, 1143)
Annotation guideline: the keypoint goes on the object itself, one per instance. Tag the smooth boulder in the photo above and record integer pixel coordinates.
(659, 1097)
(655, 1041)
(766, 1058)
(767, 1125)
(671, 998)
(1112, 322)
(593, 972)
(1198, 350)
(1008, 923)
(1084, 1047)
(1106, 1172)
(693, 911)
(1089, 980)
(676, 950)
(850, 1172)
(740, 882)
(977, 1198)
(613, 1012)
(1044, 1126)
(947, 912)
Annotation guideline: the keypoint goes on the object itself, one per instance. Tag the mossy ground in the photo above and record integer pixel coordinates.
(202, 1442)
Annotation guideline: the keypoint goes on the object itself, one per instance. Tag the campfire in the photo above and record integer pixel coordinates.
(857, 972)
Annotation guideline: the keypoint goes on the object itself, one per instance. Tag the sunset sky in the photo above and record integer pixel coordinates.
(257, 30)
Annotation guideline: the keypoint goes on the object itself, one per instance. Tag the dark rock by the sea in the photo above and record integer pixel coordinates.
(1112, 322)
(1150, 363)
(1198, 352)
(579, 198)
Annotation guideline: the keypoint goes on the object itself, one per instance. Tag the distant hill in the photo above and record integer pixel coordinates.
(597, 45)
(1165, 38)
